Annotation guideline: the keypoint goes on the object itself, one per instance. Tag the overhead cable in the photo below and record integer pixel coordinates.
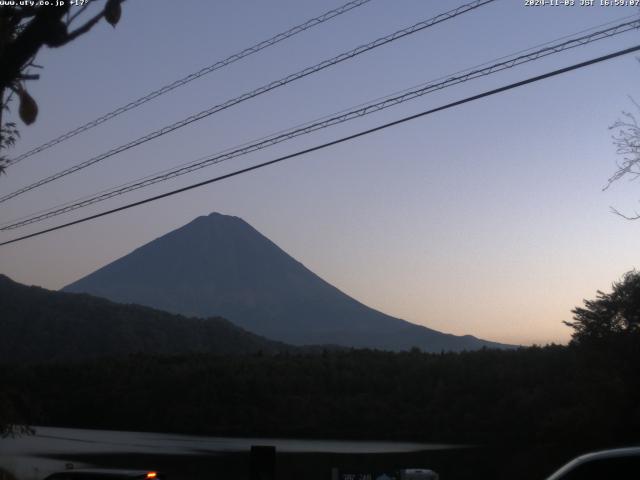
(334, 142)
(191, 77)
(254, 93)
(326, 122)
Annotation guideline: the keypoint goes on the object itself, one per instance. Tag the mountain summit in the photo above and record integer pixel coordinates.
(220, 265)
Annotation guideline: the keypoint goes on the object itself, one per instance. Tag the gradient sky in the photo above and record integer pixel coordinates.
(486, 219)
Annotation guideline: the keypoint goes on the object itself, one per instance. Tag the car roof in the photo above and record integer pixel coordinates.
(599, 455)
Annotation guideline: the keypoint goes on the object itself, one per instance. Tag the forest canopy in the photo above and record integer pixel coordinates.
(610, 315)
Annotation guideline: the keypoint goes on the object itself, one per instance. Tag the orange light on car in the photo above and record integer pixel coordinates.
(152, 475)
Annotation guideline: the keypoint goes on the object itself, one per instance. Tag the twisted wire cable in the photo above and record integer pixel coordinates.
(330, 121)
(193, 76)
(254, 93)
(338, 141)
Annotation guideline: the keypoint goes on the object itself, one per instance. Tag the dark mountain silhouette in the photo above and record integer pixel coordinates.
(220, 265)
(41, 325)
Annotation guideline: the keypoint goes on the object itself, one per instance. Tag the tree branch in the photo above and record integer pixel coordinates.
(84, 28)
(36, 33)
(626, 217)
(78, 13)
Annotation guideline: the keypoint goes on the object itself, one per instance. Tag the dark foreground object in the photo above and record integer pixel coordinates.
(619, 464)
(105, 474)
(263, 462)
(495, 463)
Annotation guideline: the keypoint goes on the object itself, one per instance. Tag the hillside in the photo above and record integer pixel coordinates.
(42, 325)
(220, 265)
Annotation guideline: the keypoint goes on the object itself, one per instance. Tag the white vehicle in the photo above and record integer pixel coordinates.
(418, 474)
(616, 464)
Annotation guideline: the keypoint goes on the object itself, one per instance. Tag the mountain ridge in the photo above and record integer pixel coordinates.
(39, 325)
(220, 265)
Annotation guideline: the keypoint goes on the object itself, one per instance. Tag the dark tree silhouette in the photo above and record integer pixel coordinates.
(24, 30)
(610, 314)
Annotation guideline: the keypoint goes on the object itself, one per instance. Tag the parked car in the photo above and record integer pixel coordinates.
(105, 474)
(418, 474)
(616, 464)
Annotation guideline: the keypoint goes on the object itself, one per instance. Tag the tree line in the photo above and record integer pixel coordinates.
(531, 395)
(587, 392)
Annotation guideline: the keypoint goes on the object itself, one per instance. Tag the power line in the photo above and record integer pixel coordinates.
(323, 123)
(265, 88)
(344, 116)
(193, 76)
(335, 142)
